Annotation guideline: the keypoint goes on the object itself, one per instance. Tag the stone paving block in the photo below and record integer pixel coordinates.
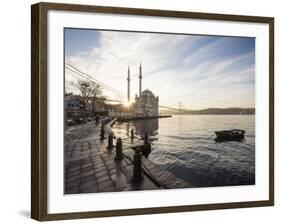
(85, 165)
(105, 184)
(72, 178)
(164, 177)
(87, 173)
(75, 153)
(100, 174)
(127, 171)
(73, 168)
(94, 155)
(109, 189)
(98, 165)
(73, 190)
(110, 161)
(73, 173)
(90, 186)
(87, 160)
(72, 184)
(73, 164)
(113, 171)
(100, 169)
(94, 152)
(87, 178)
(86, 169)
(93, 189)
(111, 166)
(103, 178)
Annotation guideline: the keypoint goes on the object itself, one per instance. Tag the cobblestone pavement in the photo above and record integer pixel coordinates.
(90, 167)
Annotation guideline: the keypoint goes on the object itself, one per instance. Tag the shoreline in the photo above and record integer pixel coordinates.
(122, 119)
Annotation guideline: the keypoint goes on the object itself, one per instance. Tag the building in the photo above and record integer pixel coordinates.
(73, 106)
(146, 103)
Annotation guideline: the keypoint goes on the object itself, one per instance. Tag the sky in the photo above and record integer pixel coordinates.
(199, 71)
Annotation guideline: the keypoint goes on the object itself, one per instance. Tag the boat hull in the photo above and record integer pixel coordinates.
(230, 135)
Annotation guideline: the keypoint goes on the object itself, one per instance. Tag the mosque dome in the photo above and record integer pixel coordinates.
(147, 93)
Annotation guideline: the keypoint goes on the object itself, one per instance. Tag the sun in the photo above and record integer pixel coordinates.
(126, 104)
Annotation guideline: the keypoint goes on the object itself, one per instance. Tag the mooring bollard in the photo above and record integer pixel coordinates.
(119, 154)
(102, 132)
(146, 141)
(132, 134)
(137, 172)
(147, 146)
(110, 141)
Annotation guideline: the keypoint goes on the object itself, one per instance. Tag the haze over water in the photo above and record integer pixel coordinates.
(185, 145)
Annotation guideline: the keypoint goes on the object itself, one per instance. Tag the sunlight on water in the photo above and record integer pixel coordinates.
(184, 144)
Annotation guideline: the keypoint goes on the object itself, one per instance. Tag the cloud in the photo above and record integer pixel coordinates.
(200, 71)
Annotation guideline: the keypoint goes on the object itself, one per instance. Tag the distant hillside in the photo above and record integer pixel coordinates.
(213, 111)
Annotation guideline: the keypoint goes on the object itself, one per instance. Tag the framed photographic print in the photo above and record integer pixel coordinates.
(139, 111)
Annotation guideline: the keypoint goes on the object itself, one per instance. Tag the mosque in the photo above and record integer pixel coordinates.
(146, 104)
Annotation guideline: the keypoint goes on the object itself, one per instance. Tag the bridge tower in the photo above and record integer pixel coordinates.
(128, 80)
(140, 78)
(180, 106)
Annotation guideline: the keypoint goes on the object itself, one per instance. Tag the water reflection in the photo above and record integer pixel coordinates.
(185, 146)
(146, 126)
(140, 127)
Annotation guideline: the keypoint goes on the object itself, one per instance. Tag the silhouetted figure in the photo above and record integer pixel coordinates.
(102, 132)
(97, 118)
(132, 134)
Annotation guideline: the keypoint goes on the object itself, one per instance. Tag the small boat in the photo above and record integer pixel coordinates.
(230, 135)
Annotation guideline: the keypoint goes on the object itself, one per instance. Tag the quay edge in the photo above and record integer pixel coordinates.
(142, 118)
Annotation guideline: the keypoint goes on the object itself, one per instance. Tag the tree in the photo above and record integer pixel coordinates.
(95, 92)
(89, 92)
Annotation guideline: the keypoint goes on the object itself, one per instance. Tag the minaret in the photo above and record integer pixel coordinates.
(128, 79)
(140, 78)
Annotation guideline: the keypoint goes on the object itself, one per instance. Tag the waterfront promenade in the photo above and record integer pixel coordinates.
(91, 167)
